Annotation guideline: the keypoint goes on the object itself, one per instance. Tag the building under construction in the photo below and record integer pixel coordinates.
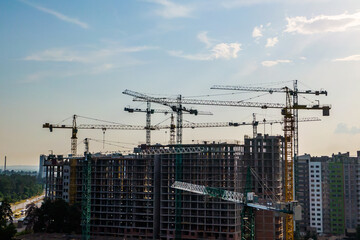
(132, 197)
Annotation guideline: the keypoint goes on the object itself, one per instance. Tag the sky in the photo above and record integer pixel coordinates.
(60, 58)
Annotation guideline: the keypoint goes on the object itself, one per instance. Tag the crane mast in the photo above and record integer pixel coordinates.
(74, 137)
(148, 123)
(172, 130)
(179, 121)
(289, 164)
(150, 111)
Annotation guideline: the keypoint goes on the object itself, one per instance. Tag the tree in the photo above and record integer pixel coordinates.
(32, 213)
(16, 187)
(358, 232)
(7, 231)
(54, 216)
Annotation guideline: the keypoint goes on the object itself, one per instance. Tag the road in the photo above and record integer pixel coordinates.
(18, 207)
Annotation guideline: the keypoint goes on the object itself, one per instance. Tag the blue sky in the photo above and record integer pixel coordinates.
(60, 58)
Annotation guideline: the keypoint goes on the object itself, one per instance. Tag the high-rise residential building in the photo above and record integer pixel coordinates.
(331, 205)
(350, 188)
(315, 196)
(302, 191)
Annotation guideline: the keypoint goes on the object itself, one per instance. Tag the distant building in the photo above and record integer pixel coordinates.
(328, 192)
(41, 167)
(302, 190)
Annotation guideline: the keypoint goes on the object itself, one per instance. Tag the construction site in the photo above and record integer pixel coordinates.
(242, 189)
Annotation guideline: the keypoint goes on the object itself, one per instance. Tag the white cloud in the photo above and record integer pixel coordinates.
(202, 36)
(275, 62)
(226, 50)
(303, 58)
(67, 55)
(56, 55)
(343, 128)
(323, 23)
(59, 15)
(270, 42)
(242, 3)
(103, 68)
(257, 32)
(351, 58)
(219, 51)
(172, 10)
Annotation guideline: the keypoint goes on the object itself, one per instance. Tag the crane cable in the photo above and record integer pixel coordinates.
(262, 183)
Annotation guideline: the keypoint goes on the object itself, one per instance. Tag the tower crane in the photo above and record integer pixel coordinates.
(246, 199)
(293, 92)
(254, 123)
(290, 113)
(287, 110)
(74, 127)
(176, 106)
(150, 111)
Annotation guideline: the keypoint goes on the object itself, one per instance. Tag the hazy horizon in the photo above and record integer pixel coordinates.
(63, 58)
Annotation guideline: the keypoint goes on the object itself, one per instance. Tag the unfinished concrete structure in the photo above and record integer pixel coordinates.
(131, 195)
(201, 217)
(265, 155)
(123, 193)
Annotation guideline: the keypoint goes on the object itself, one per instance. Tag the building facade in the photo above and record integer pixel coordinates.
(328, 190)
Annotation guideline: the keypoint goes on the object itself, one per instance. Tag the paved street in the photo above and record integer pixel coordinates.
(18, 207)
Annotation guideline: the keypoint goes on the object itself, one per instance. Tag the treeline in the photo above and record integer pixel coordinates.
(16, 187)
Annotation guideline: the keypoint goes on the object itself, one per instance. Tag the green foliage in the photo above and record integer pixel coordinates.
(358, 232)
(310, 235)
(7, 228)
(17, 187)
(54, 216)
